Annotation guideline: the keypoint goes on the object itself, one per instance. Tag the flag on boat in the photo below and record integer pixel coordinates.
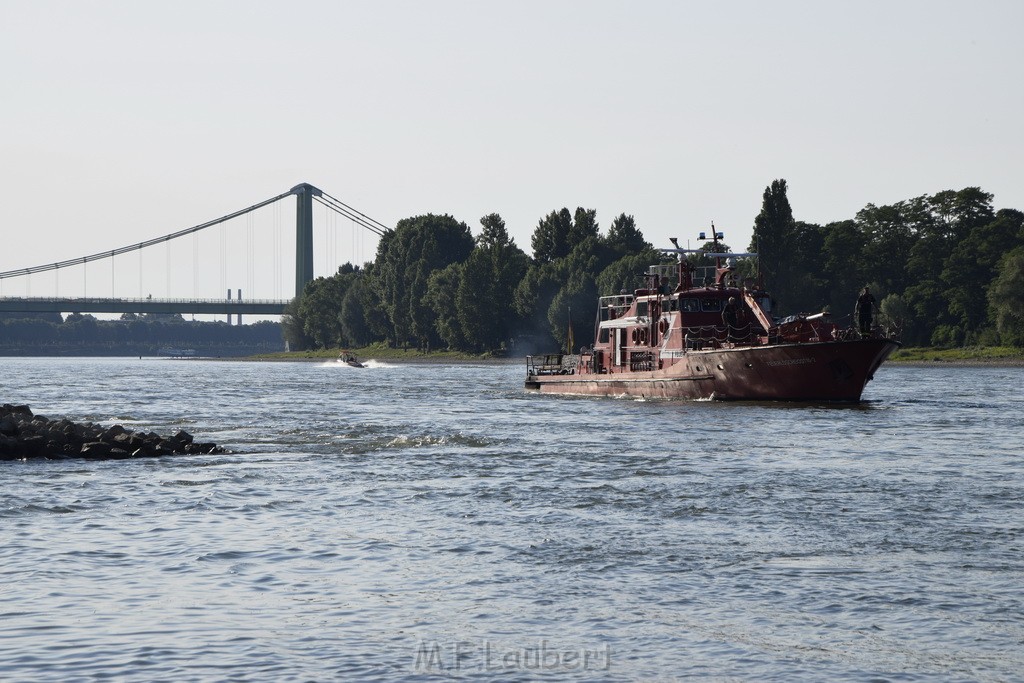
(570, 343)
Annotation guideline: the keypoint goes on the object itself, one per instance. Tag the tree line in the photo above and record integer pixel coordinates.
(947, 268)
(133, 334)
(433, 285)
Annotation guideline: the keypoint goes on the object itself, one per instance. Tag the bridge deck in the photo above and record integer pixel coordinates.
(107, 305)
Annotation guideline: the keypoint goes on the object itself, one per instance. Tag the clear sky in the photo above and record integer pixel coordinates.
(126, 120)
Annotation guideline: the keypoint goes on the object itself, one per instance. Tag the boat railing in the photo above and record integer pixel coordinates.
(615, 306)
(888, 327)
(700, 337)
(552, 364)
(715, 336)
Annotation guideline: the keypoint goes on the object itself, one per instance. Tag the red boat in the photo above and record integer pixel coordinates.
(712, 341)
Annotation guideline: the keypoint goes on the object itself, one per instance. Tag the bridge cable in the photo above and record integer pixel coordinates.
(364, 221)
(141, 245)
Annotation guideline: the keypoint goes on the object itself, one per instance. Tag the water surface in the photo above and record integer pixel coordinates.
(424, 521)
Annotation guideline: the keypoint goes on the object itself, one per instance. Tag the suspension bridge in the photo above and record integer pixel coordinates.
(307, 198)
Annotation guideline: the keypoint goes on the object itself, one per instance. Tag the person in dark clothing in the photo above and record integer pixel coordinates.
(730, 316)
(865, 311)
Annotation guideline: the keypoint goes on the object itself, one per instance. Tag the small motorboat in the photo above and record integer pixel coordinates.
(349, 360)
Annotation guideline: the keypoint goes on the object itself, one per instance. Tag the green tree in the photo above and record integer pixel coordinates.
(629, 272)
(940, 222)
(972, 266)
(405, 260)
(624, 238)
(533, 297)
(894, 311)
(579, 271)
(584, 225)
(808, 288)
(293, 327)
(558, 233)
(362, 319)
(320, 308)
(772, 239)
(550, 240)
(1006, 298)
(441, 291)
(957, 212)
(888, 237)
(575, 305)
(484, 298)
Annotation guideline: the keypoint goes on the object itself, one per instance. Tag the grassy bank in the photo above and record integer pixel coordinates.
(995, 355)
(382, 352)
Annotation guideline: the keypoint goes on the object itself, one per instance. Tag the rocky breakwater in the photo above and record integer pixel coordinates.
(25, 435)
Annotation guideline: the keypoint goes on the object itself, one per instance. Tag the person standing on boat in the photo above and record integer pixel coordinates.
(730, 316)
(865, 310)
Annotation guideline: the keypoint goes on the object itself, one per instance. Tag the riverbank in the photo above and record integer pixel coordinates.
(967, 356)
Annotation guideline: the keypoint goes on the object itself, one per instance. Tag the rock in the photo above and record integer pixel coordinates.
(181, 440)
(33, 446)
(112, 432)
(8, 426)
(96, 449)
(24, 435)
(18, 412)
(9, 448)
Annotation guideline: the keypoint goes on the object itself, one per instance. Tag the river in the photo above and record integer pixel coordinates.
(436, 521)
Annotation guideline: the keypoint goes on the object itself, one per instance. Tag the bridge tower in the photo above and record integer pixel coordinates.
(304, 194)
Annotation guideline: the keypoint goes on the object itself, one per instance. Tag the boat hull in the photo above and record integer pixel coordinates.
(821, 371)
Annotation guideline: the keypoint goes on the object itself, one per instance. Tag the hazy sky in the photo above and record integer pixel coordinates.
(123, 121)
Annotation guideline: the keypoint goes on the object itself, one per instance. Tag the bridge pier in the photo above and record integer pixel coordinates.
(304, 194)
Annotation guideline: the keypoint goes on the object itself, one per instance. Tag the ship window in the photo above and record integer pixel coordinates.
(641, 308)
(602, 336)
(689, 305)
(711, 305)
(673, 304)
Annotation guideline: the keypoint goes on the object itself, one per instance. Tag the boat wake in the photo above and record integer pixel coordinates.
(371, 364)
(378, 364)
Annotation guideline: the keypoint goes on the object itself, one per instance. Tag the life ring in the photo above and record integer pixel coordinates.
(643, 336)
(636, 336)
(663, 326)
